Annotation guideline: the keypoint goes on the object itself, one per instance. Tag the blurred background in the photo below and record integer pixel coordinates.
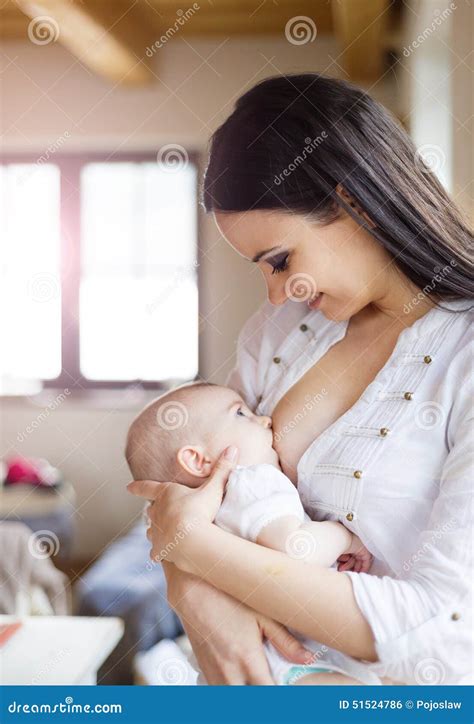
(114, 284)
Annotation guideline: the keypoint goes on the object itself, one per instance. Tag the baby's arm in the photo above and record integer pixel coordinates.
(315, 542)
(262, 505)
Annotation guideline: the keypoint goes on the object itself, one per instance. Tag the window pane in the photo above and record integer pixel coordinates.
(138, 281)
(30, 308)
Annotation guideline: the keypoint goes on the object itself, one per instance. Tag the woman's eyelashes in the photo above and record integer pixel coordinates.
(279, 263)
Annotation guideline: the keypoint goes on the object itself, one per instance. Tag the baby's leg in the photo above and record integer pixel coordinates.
(327, 679)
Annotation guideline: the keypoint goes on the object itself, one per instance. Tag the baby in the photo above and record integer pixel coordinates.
(181, 435)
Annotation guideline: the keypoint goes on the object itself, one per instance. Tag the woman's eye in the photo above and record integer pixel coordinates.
(279, 263)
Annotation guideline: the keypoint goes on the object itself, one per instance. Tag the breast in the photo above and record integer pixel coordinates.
(323, 394)
(310, 407)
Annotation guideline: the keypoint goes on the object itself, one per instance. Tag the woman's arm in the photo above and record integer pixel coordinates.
(422, 621)
(226, 636)
(316, 601)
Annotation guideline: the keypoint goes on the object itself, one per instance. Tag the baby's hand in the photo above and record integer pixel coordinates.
(357, 558)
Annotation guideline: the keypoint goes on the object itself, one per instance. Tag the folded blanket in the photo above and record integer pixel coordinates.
(29, 582)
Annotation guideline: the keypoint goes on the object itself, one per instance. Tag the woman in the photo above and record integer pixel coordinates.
(363, 359)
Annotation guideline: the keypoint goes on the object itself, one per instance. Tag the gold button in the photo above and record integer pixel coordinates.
(350, 517)
(427, 359)
(408, 395)
(358, 474)
(277, 360)
(384, 431)
(455, 616)
(304, 327)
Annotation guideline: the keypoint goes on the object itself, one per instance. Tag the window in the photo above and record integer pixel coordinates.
(99, 272)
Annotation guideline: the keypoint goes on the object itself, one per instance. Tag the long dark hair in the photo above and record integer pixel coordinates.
(292, 140)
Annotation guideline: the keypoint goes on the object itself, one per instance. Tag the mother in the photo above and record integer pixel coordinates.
(364, 360)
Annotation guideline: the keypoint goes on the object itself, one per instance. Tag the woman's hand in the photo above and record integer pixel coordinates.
(176, 511)
(227, 636)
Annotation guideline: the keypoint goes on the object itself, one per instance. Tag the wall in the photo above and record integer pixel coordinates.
(46, 92)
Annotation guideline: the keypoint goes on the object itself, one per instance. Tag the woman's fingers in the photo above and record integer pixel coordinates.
(214, 488)
(148, 489)
(286, 643)
(258, 671)
(260, 675)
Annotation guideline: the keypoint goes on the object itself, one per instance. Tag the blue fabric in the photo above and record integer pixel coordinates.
(124, 582)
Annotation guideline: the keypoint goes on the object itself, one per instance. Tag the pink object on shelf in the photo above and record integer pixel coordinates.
(31, 471)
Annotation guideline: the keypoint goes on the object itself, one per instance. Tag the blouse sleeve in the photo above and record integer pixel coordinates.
(421, 622)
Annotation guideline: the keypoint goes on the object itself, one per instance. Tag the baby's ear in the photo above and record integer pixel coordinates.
(193, 460)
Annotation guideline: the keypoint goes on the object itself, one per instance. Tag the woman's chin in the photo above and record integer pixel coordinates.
(335, 311)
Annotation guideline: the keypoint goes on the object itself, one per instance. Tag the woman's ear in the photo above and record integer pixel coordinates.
(193, 460)
(350, 201)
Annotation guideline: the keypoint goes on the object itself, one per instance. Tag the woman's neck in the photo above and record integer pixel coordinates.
(397, 299)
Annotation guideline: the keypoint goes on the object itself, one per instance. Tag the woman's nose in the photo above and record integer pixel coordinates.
(276, 296)
(275, 291)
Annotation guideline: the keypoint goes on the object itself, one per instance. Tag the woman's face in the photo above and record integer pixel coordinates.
(338, 268)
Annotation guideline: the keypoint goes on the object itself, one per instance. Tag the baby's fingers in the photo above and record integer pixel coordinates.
(347, 565)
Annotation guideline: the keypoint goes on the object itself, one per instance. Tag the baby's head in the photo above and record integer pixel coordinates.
(180, 435)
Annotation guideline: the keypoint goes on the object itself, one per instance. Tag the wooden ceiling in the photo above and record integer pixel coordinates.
(112, 36)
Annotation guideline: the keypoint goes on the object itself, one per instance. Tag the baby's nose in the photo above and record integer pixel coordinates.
(265, 421)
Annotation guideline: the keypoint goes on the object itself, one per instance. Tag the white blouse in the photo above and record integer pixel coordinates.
(397, 469)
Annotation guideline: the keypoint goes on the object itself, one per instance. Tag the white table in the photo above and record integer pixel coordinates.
(59, 650)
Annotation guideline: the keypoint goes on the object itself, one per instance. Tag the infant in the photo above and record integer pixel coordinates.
(181, 435)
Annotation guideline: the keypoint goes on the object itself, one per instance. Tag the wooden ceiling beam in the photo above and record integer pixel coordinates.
(360, 27)
(110, 39)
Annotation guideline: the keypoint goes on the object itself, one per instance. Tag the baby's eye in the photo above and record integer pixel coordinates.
(240, 412)
(279, 263)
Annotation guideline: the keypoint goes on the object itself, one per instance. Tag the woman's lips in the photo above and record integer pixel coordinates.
(315, 301)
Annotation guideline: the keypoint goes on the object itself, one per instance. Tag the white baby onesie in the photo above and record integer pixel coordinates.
(255, 496)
